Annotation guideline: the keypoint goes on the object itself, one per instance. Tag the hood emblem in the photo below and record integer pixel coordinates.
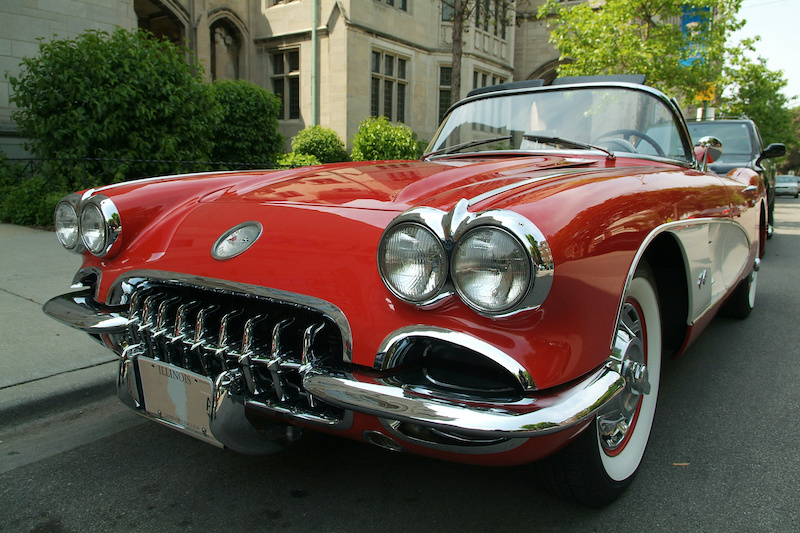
(236, 240)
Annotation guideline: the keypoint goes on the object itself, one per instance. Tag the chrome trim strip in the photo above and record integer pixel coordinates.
(518, 185)
(467, 446)
(387, 355)
(529, 417)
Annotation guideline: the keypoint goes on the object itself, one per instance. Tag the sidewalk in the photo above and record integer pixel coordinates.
(43, 364)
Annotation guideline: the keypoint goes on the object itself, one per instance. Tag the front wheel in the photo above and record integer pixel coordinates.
(596, 467)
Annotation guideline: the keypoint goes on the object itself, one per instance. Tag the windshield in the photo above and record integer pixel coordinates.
(737, 143)
(618, 119)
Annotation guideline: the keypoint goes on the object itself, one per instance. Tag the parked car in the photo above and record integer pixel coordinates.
(743, 147)
(787, 185)
(507, 299)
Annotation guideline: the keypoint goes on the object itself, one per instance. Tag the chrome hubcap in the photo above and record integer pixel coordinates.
(618, 416)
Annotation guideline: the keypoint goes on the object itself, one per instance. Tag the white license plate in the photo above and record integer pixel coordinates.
(177, 397)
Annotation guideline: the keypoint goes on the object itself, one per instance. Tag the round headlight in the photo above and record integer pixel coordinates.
(93, 229)
(412, 262)
(66, 222)
(491, 269)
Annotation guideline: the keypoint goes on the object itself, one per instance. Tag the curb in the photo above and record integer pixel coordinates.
(34, 399)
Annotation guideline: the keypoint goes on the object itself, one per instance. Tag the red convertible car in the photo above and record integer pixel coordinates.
(507, 299)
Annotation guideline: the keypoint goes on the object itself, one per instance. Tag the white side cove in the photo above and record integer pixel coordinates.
(716, 252)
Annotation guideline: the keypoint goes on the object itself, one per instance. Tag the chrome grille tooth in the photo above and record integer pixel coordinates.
(308, 358)
(183, 331)
(276, 358)
(202, 336)
(162, 315)
(148, 323)
(224, 339)
(247, 352)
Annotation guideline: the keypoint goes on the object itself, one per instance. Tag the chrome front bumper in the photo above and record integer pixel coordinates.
(539, 413)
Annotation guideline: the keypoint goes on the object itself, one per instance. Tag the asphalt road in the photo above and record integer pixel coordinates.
(723, 456)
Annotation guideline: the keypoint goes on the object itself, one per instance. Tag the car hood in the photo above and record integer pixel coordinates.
(395, 185)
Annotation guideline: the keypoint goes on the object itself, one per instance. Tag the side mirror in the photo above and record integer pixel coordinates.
(773, 150)
(707, 150)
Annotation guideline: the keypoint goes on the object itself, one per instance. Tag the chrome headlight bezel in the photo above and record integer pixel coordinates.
(69, 207)
(435, 260)
(512, 269)
(456, 225)
(108, 243)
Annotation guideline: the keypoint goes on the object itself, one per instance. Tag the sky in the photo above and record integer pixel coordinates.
(777, 22)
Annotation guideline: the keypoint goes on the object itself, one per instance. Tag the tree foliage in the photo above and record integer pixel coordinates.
(320, 142)
(677, 44)
(379, 139)
(248, 129)
(123, 95)
(791, 163)
(754, 90)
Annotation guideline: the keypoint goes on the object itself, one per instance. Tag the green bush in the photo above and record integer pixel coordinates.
(124, 95)
(248, 129)
(379, 139)
(322, 143)
(295, 160)
(29, 203)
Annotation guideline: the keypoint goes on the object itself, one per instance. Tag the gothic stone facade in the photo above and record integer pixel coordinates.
(334, 62)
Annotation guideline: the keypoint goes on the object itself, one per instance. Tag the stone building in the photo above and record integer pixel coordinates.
(333, 62)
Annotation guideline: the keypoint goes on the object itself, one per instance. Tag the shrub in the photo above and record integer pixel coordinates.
(295, 160)
(379, 139)
(322, 143)
(29, 203)
(124, 95)
(248, 129)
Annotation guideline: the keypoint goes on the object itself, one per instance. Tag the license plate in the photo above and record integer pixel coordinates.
(177, 397)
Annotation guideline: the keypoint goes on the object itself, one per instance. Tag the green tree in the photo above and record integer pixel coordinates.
(379, 139)
(678, 45)
(248, 129)
(754, 90)
(791, 163)
(322, 143)
(123, 95)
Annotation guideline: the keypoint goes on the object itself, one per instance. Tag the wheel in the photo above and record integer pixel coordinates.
(743, 299)
(600, 463)
(643, 136)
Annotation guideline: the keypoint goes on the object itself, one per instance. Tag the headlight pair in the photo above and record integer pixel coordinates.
(91, 224)
(425, 256)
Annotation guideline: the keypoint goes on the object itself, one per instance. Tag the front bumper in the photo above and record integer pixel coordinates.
(354, 389)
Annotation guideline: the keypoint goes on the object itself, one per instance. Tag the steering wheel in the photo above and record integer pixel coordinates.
(643, 136)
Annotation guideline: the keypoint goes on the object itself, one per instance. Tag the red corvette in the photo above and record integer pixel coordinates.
(507, 299)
